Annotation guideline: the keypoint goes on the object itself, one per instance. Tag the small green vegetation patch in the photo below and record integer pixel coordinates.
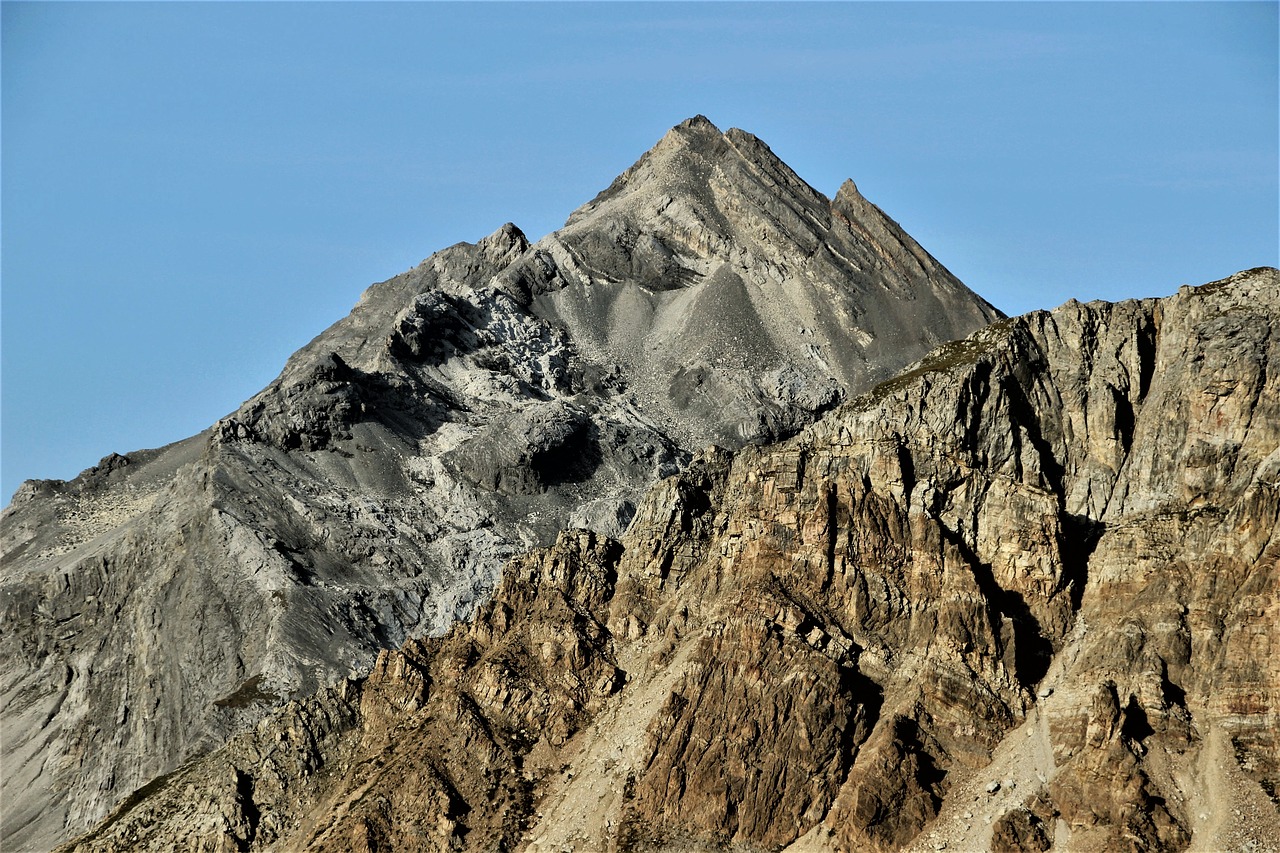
(943, 358)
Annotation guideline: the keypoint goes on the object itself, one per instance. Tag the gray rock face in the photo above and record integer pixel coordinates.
(463, 412)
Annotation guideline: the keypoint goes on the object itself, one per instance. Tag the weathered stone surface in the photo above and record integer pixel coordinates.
(973, 609)
(461, 414)
(424, 753)
(1021, 831)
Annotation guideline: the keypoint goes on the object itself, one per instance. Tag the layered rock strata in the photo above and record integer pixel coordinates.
(464, 412)
(1021, 597)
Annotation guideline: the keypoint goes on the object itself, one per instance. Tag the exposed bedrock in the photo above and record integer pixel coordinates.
(1022, 597)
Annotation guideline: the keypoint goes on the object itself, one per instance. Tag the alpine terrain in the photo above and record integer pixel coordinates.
(172, 614)
(1023, 596)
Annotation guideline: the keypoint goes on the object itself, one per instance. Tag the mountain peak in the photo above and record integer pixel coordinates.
(697, 162)
(504, 244)
(698, 122)
(705, 198)
(693, 134)
(848, 192)
(711, 245)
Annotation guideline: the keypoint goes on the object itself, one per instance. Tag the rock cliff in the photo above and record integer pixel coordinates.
(1022, 596)
(464, 412)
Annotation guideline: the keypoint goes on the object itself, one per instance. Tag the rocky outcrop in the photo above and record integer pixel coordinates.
(427, 750)
(464, 412)
(1021, 597)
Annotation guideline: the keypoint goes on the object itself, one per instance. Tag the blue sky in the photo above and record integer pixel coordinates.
(192, 191)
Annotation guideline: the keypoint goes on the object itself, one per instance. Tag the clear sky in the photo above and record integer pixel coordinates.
(192, 191)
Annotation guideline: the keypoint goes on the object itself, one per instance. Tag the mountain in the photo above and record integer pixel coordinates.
(1022, 596)
(463, 413)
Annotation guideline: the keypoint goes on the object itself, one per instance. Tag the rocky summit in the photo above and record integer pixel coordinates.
(168, 604)
(1024, 596)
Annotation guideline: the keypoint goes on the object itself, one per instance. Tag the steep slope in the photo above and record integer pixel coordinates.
(738, 298)
(1022, 597)
(463, 412)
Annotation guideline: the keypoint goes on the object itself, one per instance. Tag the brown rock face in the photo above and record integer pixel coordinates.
(1023, 596)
